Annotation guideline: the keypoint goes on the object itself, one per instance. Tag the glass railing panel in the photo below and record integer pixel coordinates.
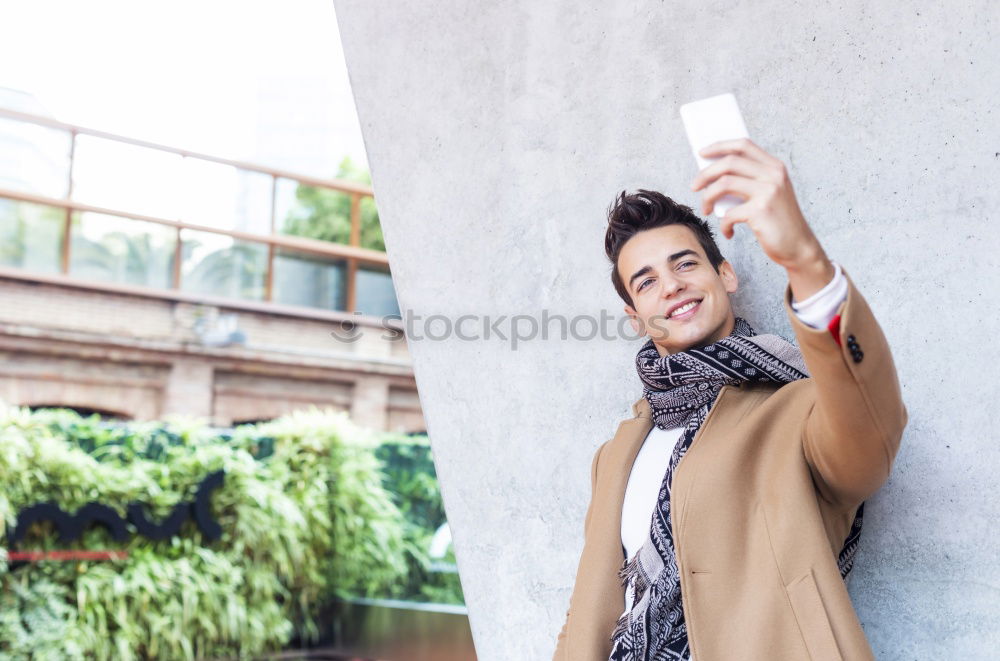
(124, 177)
(225, 197)
(371, 229)
(322, 213)
(120, 250)
(302, 278)
(31, 236)
(219, 265)
(35, 158)
(374, 292)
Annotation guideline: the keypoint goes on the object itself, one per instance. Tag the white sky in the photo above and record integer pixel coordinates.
(186, 73)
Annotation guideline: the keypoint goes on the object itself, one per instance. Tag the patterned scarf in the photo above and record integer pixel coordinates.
(681, 389)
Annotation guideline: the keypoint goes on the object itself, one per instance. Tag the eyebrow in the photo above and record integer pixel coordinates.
(647, 268)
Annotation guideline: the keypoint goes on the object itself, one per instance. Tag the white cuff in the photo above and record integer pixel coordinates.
(819, 309)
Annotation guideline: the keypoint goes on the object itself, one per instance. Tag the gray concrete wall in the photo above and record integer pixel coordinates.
(498, 134)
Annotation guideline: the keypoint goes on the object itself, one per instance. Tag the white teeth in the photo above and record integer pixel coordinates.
(684, 308)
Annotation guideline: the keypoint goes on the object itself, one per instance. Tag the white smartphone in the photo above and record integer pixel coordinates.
(710, 120)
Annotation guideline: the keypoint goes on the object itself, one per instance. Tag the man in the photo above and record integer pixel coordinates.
(724, 516)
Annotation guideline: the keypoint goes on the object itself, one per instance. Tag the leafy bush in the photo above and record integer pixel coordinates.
(304, 509)
(412, 480)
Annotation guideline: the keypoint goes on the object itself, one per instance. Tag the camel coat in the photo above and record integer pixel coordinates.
(761, 502)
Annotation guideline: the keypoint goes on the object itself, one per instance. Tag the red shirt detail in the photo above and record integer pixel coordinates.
(834, 328)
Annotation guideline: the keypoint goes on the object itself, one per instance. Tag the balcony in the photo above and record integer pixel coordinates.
(89, 208)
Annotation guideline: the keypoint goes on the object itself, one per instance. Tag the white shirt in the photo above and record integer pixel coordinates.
(654, 456)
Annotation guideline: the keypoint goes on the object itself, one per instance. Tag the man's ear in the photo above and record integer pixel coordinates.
(728, 275)
(638, 327)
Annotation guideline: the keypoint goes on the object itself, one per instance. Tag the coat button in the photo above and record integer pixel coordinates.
(858, 355)
(852, 344)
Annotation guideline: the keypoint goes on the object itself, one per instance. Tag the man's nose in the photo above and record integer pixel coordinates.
(671, 286)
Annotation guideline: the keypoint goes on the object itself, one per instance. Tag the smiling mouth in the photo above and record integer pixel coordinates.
(685, 311)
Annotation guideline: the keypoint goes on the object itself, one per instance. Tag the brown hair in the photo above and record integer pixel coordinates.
(644, 210)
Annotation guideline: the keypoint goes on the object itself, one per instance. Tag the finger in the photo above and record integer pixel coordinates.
(744, 146)
(731, 164)
(738, 214)
(730, 184)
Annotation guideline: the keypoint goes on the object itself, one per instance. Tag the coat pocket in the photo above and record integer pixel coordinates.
(812, 618)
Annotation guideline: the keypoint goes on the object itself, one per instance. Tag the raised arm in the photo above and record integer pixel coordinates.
(853, 432)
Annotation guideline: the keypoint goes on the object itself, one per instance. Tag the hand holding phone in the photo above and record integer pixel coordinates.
(711, 120)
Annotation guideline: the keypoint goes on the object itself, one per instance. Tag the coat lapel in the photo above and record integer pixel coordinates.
(601, 594)
(625, 447)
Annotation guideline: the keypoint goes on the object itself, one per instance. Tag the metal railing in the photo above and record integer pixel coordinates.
(352, 254)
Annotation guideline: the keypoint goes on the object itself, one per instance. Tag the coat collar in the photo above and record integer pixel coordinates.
(632, 434)
(641, 408)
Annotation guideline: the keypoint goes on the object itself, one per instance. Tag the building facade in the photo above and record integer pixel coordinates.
(143, 316)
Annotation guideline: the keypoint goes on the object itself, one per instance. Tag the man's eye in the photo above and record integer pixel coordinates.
(685, 263)
(643, 283)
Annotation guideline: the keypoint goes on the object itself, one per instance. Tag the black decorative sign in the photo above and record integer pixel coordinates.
(71, 526)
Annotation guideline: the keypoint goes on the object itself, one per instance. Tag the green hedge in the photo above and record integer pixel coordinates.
(411, 480)
(308, 509)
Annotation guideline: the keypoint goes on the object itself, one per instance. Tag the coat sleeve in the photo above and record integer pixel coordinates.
(561, 653)
(852, 433)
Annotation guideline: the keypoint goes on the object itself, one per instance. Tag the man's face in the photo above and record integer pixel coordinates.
(664, 268)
